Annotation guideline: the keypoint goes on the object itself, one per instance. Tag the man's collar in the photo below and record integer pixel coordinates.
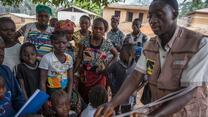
(136, 35)
(115, 31)
(169, 45)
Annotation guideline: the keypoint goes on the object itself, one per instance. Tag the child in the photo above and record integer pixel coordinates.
(115, 35)
(27, 72)
(6, 107)
(61, 104)
(137, 38)
(53, 22)
(68, 27)
(57, 66)
(121, 70)
(83, 33)
(7, 32)
(97, 96)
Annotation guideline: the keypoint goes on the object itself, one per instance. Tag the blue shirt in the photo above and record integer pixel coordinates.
(17, 97)
(6, 107)
(138, 41)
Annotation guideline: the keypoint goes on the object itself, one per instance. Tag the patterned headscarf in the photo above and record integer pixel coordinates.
(65, 25)
(43, 8)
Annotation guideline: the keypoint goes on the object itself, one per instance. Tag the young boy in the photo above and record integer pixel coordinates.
(115, 35)
(60, 102)
(53, 22)
(97, 96)
(83, 33)
(121, 70)
(137, 38)
(7, 32)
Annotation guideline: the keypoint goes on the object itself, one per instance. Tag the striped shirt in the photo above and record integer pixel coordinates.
(40, 39)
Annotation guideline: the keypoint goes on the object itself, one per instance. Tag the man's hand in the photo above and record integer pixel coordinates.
(105, 110)
(139, 115)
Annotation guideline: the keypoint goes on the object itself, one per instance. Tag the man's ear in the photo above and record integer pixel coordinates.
(175, 14)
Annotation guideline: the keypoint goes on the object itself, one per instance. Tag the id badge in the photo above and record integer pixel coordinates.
(150, 66)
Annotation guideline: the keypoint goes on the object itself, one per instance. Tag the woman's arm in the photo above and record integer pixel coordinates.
(70, 80)
(78, 58)
(43, 79)
(115, 56)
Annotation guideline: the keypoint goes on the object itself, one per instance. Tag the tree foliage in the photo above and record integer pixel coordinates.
(57, 2)
(190, 6)
(91, 5)
(88, 5)
(186, 6)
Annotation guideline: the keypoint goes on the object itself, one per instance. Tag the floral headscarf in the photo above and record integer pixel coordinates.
(65, 25)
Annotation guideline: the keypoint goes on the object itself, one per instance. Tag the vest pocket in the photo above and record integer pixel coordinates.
(178, 65)
(177, 71)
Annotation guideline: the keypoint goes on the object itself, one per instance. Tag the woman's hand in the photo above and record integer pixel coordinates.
(100, 68)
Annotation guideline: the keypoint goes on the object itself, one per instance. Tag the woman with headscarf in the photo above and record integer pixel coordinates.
(67, 26)
(92, 60)
(38, 33)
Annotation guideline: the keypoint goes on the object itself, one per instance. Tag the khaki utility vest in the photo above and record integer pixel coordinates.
(166, 80)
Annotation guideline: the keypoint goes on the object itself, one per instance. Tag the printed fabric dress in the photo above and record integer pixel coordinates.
(93, 58)
(78, 37)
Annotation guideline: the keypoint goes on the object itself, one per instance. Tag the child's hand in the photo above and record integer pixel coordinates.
(100, 68)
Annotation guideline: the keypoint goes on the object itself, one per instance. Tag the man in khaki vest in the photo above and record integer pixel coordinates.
(174, 60)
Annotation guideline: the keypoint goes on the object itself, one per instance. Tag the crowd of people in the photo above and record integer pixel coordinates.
(75, 68)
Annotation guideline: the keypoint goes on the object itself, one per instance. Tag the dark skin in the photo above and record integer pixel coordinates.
(70, 34)
(7, 32)
(114, 24)
(136, 25)
(126, 57)
(59, 45)
(163, 23)
(29, 57)
(2, 46)
(53, 22)
(84, 24)
(62, 107)
(43, 19)
(3, 89)
(42, 24)
(98, 31)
